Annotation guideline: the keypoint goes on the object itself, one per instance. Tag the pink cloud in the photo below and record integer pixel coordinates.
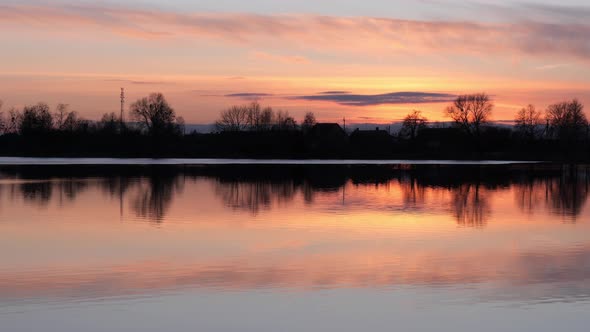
(353, 34)
(288, 59)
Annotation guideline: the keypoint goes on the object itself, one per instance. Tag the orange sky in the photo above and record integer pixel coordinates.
(82, 54)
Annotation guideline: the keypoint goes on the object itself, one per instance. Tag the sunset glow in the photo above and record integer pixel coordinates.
(199, 54)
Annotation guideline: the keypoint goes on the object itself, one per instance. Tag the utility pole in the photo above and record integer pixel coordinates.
(344, 119)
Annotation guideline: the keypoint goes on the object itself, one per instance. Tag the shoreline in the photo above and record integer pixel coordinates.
(50, 161)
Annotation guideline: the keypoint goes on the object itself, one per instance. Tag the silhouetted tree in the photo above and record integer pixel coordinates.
(470, 112)
(266, 118)
(259, 119)
(72, 122)
(234, 118)
(12, 121)
(109, 123)
(527, 122)
(254, 115)
(309, 121)
(567, 120)
(180, 125)
(284, 121)
(61, 113)
(65, 120)
(2, 121)
(413, 123)
(36, 120)
(254, 118)
(155, 114)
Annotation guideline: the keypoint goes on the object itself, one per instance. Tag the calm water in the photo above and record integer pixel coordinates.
(294, 248)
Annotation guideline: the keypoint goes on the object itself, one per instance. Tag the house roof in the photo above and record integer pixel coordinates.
(370, 133)
(327, 128)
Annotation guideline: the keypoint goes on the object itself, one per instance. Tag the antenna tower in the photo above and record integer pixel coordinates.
(122, 102)
(121, 123)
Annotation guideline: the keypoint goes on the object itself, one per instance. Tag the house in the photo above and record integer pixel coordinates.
(326, 139)
(373, 142)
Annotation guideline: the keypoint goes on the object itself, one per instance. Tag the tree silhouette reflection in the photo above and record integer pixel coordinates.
(567, 194)
(465, 192)
(38, 192)
(413, 192)
(470, 206)
(564, 193)
(155, 195)
(255, 196)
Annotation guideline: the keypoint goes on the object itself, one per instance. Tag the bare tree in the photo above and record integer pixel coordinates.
(260, 119)
(254, 118)
(109, 123)
(36, 119)
(155, 114)
(180, 124)
(72, 122)
(250, 117)
(308, 121)
(470, 112)
(61, 113)
(284, 121)
(567, 120)
(234, 118)
(413, 123)
(266, 118)
(13, 121)
(527, 122)
(254, 114)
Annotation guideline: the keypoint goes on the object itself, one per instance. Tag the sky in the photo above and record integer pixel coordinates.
(370, 61)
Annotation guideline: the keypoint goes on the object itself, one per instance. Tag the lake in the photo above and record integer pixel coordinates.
(375, 246)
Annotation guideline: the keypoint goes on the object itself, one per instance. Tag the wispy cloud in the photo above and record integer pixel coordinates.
(137, 82)
(349, 99)
(333, 92)
(287, 59)
(248, 95)
(569, 38)
(553, 66)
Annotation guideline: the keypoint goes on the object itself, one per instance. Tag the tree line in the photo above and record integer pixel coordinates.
(472, 113)
(254, 117)
(253, 130)
(151, 115)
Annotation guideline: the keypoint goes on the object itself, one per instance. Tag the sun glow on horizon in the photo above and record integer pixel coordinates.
(83, 54)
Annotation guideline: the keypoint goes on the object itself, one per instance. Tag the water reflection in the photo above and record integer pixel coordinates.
(470, 205)
(497, 230)
(37, 192)
(414, 193)
(569, 193)
(565, 193)
(465, 191)
(257, 196)
(517, 273)
(155, 194)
